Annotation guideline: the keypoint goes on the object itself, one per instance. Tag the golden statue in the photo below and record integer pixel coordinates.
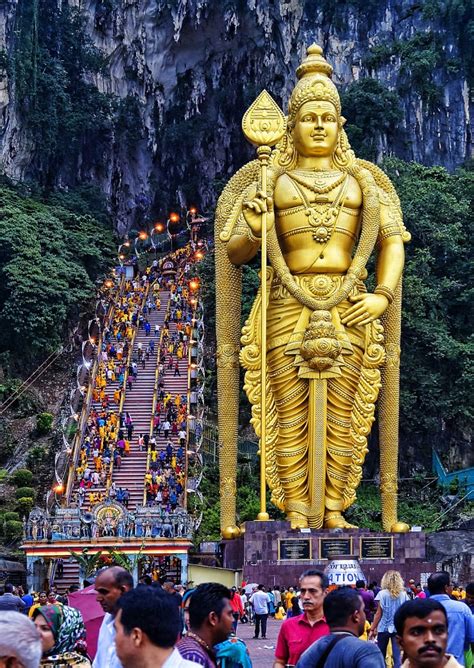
(328, 345)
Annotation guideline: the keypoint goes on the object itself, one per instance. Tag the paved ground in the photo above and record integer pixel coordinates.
(261, 652)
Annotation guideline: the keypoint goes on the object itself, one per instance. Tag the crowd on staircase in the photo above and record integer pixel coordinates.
(151, 329)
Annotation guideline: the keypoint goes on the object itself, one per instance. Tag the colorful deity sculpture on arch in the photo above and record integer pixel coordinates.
(332, 348)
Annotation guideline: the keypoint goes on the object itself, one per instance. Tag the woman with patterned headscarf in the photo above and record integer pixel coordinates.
(63, 636)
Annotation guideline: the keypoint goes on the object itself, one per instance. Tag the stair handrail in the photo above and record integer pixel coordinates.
(88, 399)
(155, 391)
(124, 387)
(186, 458)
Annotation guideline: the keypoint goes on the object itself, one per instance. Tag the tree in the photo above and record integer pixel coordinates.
(22, 477)
(44, 422)
(129, 562)
(373, 112)
(49, 259)
(437, 343)
(88, 563)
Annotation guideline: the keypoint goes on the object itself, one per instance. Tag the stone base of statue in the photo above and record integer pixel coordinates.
(271, 553)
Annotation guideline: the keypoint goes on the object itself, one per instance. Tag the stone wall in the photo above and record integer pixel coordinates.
(257, 553)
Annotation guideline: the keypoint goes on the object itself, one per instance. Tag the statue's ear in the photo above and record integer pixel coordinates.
(342, 121)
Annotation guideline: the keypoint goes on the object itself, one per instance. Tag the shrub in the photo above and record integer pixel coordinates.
(36, 455)
(21, 492)
(13, 530)
(22, 477)
(11, 515)
(24, 505)
(3, 475)
(44, 423)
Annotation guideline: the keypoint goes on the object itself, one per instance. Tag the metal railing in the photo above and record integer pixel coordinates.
(82, 423)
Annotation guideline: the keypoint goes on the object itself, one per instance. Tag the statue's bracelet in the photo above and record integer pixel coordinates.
(386, 292)
(252, 237)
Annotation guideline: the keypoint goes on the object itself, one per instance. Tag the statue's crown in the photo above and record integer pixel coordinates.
(314, 63)
(314, 83)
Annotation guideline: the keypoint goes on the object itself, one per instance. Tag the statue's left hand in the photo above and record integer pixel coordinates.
(367, 307)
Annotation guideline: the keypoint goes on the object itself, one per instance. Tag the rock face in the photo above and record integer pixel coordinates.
(455, 551)
(190, 68)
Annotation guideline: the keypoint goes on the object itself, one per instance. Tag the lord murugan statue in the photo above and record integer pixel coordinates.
(330, 346)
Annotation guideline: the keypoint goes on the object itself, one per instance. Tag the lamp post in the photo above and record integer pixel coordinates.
(122, 251)
(141, 236)
(156, 230)
(173, 219)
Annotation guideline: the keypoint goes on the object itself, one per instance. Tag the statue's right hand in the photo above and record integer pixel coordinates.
(252, 210)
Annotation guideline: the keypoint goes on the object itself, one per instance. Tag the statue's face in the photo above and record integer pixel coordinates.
(316, 129)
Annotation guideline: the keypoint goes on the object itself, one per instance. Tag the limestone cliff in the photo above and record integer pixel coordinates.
(184, 71)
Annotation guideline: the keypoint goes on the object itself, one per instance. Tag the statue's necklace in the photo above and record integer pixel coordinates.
(319, 187)
(324, 223)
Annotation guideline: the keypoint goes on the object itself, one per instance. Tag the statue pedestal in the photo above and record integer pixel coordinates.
(271, 553)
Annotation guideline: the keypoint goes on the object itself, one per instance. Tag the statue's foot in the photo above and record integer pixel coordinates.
(297, 520)
(400, 527)
(230, 532)
(336, 521)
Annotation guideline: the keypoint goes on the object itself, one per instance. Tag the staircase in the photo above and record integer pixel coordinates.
(138, 403)
(69, 577)
(175, 385)
(96, 405)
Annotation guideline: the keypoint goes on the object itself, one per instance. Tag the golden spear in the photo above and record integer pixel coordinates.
(263, 124)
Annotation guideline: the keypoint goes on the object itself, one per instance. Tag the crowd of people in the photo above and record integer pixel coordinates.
(158, 623)
(107, 437)
(109, 432)
(165, 477)
(372, 619)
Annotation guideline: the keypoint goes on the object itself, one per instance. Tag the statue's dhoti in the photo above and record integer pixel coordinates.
(318, 421)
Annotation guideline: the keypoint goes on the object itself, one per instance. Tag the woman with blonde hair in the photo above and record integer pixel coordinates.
(389, 599)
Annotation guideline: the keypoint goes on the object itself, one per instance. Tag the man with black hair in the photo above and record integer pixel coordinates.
(210, 622)
(469, 600)
(344, 612)
(460, 618)
(259, 601)
(9, 601)
(169, 588)
(110, 584)
(369, 600)
(300, 632)
(422, 633)
(147, 626)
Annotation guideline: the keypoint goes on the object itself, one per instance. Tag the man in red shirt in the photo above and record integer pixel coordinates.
(298, 633)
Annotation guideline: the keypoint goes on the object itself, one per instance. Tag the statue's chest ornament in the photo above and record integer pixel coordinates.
(322, 214)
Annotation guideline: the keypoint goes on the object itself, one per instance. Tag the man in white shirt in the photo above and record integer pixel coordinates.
(111, 584)
(259, 601)
(147, 625)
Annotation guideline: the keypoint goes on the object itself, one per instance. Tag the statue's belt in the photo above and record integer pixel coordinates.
(321, 286)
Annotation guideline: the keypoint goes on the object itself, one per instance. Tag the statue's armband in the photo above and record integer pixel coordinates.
(390, 219)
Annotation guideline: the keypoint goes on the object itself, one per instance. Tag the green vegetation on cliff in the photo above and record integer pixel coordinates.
(437, 343)
(51, 63)
(50, 257)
